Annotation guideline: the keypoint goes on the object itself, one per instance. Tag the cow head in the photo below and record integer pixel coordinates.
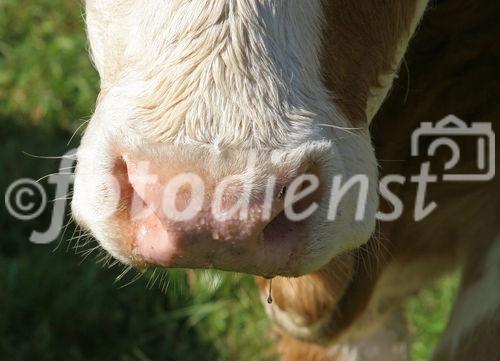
(219, 121)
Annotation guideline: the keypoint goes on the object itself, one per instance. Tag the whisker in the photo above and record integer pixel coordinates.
(77, 229)
(123, 273)
(135, 279)
(345, 129)
(51, 174)
(88, 253)
(64, 228)
(66, 198)
(152, 277)
(76, 131)
(49, 157)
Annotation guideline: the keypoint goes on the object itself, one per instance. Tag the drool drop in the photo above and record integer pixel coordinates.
(270, 297)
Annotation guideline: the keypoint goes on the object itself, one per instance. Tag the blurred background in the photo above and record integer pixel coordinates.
(61, 301)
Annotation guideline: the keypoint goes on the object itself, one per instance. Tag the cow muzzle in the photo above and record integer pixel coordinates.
(200, 212)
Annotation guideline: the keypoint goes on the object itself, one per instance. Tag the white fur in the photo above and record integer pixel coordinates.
(218, 75)
(202, 69)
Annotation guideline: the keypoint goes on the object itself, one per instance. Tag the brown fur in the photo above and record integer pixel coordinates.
(453, 68)
(314, 295)
(361, 39)
(295, 350)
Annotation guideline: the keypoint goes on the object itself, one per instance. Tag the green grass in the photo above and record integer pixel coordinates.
(428, 313)
(55, 309)
(52, 306)
(46, 79)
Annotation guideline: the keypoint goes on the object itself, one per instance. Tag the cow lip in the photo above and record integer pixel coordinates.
(276, 250)
(275, 253)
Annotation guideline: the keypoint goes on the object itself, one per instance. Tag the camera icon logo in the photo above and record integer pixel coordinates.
(446, 132)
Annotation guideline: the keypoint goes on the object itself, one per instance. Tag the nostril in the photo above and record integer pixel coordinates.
(298, 202)
(126, 189)
(276, 228)
(282, 193)
(151, 242)
(120, 171)
(141, 190)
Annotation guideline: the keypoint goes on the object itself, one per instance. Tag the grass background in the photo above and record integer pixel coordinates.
(56, 306)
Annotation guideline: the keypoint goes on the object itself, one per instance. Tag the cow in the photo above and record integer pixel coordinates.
(290, 97)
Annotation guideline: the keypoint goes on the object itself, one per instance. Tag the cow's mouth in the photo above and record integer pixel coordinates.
(263, 248)
(275, 251)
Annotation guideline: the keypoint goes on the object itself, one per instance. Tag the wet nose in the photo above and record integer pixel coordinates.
(164, 242)
(176, 215)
